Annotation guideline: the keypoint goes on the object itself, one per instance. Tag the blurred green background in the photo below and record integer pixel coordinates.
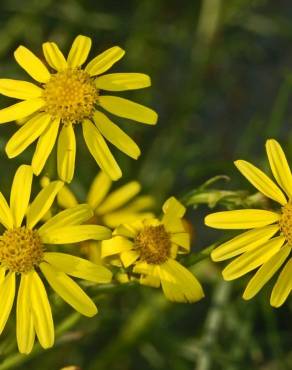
(221, 73)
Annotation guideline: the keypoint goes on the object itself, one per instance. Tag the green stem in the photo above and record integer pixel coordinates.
(198, 257)
(212, 326)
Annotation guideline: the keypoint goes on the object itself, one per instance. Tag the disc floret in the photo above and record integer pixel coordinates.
(153, 243)
(70, 95)
(286, 222)
(21, 249)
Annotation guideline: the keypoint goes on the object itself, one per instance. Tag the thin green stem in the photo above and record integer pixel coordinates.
(193, 259)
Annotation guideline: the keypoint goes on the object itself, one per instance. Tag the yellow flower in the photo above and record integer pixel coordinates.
(23, 253)
(151, 246)
(110, 208)
(267, 245)
(68, 96)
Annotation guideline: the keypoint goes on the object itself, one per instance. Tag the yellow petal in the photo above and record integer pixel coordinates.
(115, 245)
(173, 251)
(128, 109)
(265, 273)
(27, 134)
(54, 56)
(69, 290)
(119, 197)
(31, 64)
(79, 51)
(128, 231)
(98, 189)
(44, 181)
(25, 333)
(7, 293)
(41, 311)
(244, 242)
(19, 89)
(74, 234)
(66, 199)
(183, 287)
(100, 151)
(141, 203)
(114, 219)
(174, 225)
(122, 81)
(66, 153)
(283, 286)
(261, 181)
(181, 239)
(132, 211)
(42, 203)
(69, 217)
(172, 208)
(150, 280)
(252, 259)
(142, 267)
(279, 166)
(104, 61)
(2, 274)
(129, 257)
(20, 193)
(20, 110)
(241, 219)
(115, 135)
(44, 146)
(6, 218)
(79, 267)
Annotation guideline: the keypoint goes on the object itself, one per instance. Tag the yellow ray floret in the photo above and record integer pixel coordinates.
(267, 246)
(69, 95)
(149, 248)
(23, 251)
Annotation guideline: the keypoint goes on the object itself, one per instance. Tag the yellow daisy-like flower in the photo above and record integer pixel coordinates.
(23, 254)
(71, 95)
(110, 208)
(151, 246)
(267, 246)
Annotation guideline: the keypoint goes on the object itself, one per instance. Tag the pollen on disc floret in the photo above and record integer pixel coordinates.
(21, 249)
(70, 95)
(285, 222)
(153, 243)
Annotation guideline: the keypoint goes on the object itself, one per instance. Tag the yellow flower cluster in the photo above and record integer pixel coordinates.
(64, 94)
(113, 227)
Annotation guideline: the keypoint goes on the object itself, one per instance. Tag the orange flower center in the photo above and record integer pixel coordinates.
(20, 249)
(70, 95)
(154, 244)
(285, 222)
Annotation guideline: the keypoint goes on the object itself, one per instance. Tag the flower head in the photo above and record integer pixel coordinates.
(23, 253)
(70, 95)
(150, 247)
(111, 208)
(267, 246)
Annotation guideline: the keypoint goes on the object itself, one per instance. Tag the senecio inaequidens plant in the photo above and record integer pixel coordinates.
(114, 228)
